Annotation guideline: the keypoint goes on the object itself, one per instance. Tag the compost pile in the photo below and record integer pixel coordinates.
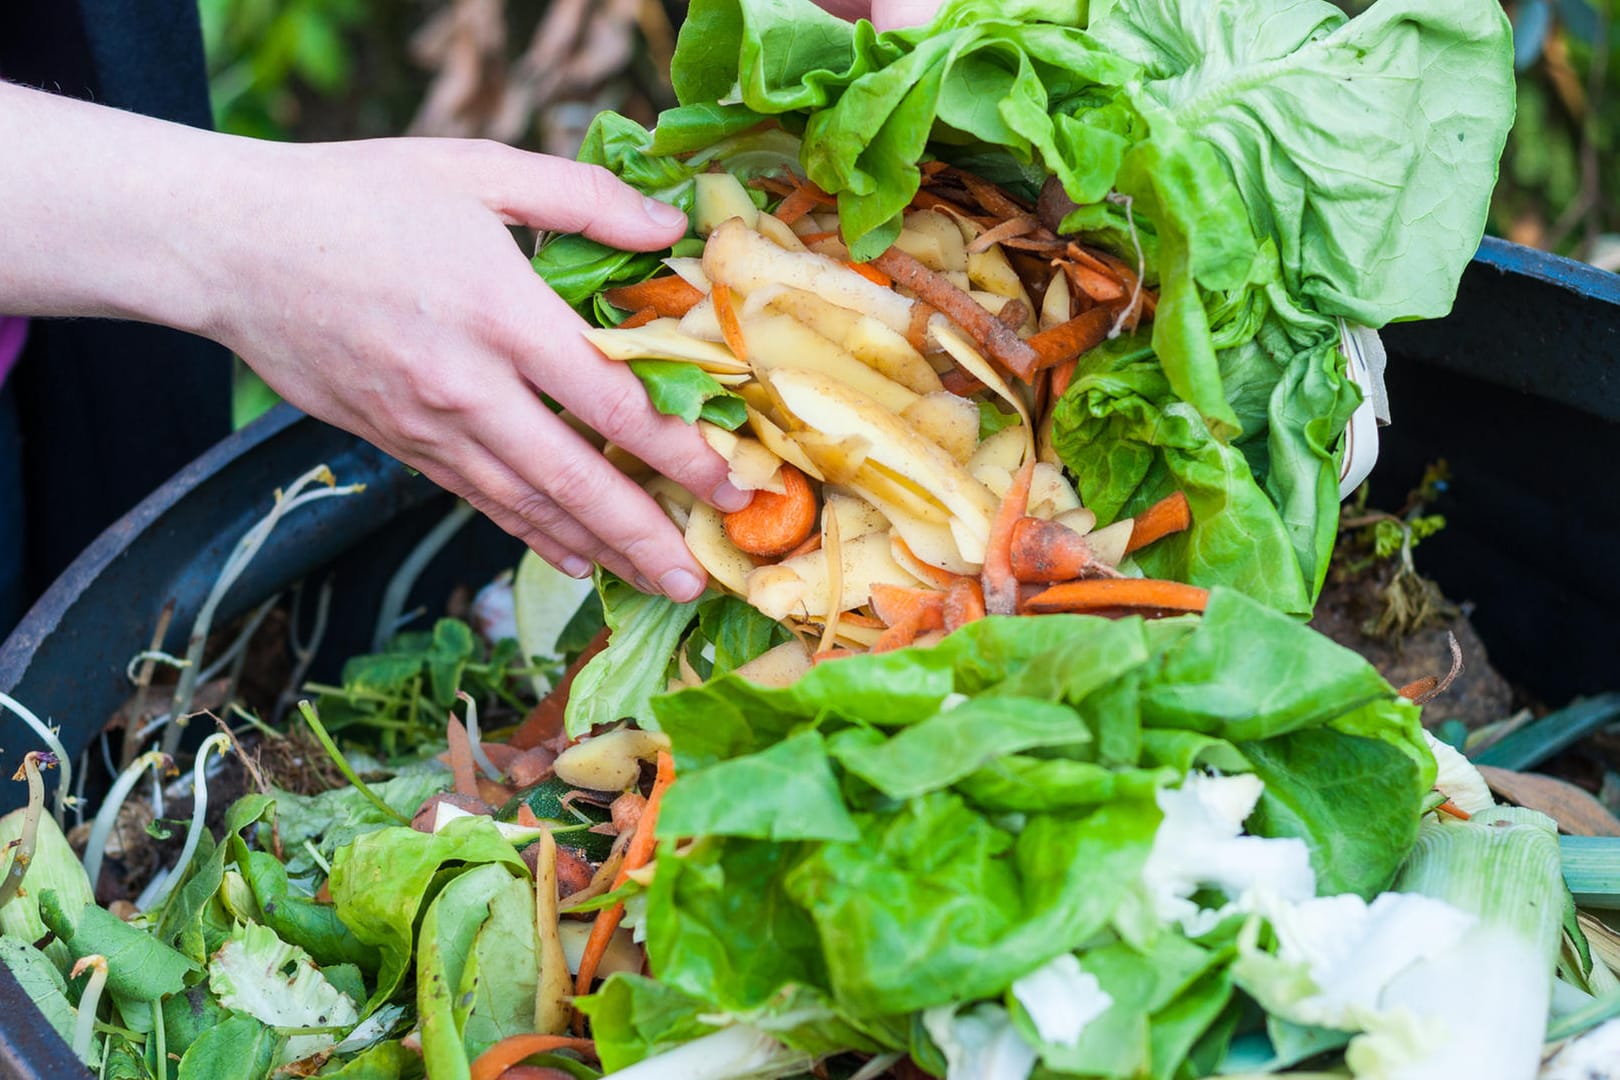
(998, 748)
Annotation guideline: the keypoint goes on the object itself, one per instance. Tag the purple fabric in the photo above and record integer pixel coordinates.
(13, 332)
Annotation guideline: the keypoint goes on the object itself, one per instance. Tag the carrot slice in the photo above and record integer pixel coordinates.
(670, 296)
(1068, 340)
(725, 311)
(871, 273)
(1139, 595)
(775, 524)
(640, 318)
(1000, 585)
(995, 337)
(1169, 515)
(1044, 551)
(635, 857)
(964, 603)
(514, 1048)
(545, 720)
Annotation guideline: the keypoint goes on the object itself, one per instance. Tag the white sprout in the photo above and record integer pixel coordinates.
(84, 1030)
(474, 741)
(156, 656)
(199, 810)
(96, 847)
(48, 734)
(404, 579)
(246, 549)
(23, 853)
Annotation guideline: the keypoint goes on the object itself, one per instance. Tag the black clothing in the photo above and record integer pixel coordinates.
(108, 410)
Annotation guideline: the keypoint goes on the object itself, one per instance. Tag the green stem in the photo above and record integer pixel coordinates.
(343, 765)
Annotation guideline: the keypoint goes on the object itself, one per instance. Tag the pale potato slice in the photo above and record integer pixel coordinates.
(969, 541)
(951, 422)
(1045, 447)
(778, 341)
(839, 458)
(889, 353)
(993, 477)
(960, 279)
(943, 231)
(690, 270)
(1050, 492)
(928, 543)
(832, 248)
(855, 516)
(773, 229)
(835, 409)
(727, 378)
(701, 322)
(776, 440)
(1081, 521)
(779, 667)
(662, 339)
(798, 586)
(1055, 305)
(1109, 542)
(718, 197)
(1004, 449)
(989, 270)
(828, 320)
(973, 361)
(925, 249)
(706, 538)
(884, 488)
(753, 467)
(673, 499)
(747, 261)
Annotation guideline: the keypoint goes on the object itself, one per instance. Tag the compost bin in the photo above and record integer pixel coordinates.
(1518, 389)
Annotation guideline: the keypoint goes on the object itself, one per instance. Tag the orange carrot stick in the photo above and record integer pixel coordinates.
(640, 318)
(1044, 551)
(1122, 594)
(775, 524)
(1169, 515)
(871, 273)
(964, 603)
(669, 295)
(1000, 585)
(995, 337)
(796, 204)
(514, 1048)
(1449, 807)
(725, 311)
(1067, 341)
(635, 857)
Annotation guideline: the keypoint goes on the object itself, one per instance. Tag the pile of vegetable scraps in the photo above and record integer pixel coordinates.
(997, 749)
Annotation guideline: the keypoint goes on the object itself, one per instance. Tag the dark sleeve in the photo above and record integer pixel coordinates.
(109, 410)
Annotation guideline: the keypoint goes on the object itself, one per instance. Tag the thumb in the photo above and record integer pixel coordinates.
(897, 14)
(547, 192)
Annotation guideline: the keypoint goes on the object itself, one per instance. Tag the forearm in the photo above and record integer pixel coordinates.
(108, 213)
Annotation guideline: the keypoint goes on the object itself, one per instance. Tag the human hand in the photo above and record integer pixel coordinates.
(382, 293)
(885, 14)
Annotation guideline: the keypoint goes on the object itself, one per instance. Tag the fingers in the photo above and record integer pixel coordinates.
(547, 192)
(898, 14)
(494, 478)
(608, 397)
(558, 480)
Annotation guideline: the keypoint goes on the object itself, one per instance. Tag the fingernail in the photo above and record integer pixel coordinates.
(662, 214)
(728, 497)
(681, 585)
(576, 567)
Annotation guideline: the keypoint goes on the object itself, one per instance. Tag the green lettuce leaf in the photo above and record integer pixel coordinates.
(620, 680)
(689, 392)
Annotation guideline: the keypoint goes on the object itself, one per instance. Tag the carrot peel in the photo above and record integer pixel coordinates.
(670, 296)
(964, 603)
(514, 1048)
(1169, 515)
(1000, 583)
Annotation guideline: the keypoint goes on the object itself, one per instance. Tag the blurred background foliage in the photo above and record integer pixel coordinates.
(533, 73)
